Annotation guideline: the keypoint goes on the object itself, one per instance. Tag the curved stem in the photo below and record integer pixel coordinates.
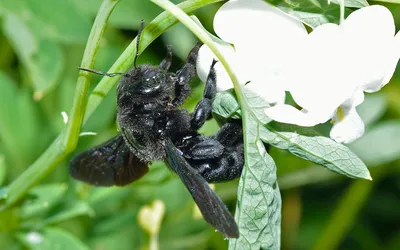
(71, 133)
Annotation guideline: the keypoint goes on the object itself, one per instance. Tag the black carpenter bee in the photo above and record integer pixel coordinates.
(153, 127)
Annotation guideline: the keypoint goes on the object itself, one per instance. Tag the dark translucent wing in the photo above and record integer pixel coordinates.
(211, 206)
(110, 163)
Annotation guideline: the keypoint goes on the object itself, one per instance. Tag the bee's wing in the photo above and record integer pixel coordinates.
(111, 163)
(211, 206)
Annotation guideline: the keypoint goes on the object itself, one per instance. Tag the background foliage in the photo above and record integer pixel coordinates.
(42, 43)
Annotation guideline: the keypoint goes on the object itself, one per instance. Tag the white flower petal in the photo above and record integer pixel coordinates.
(392, 62)
(356, 99)
(288, 114)
(240, 20)
(374, 22)
(324, 81)
(205, 59)
(348, 129)
(261, 24)
(270, 92)
(369, 34)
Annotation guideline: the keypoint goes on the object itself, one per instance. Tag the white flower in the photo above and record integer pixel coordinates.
(342, 61)
(263, 42)
(326, 71)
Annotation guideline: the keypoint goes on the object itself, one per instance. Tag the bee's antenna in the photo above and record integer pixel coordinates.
(138, 42)
(103, 73)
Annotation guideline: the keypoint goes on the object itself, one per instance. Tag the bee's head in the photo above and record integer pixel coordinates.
(144, 81)
(144, 84)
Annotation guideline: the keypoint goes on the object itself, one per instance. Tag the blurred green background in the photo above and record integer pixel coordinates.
(41, 46)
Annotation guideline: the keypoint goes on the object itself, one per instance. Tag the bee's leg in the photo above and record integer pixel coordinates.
(166, 63)
(218, 158)
(225, 167)
(202, 111)
(229, 165)
(203, 148)
(230, 134)
(184, 75)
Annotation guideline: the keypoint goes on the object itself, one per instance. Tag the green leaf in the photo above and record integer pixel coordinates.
(258, 210)
(43, 198)
(48, 19)
(315, 12)
(52, 238)
(257, 105)
(380, 145)
(353, 3)
(225, 105)
(41, 58)
(19, 125)
(318, 149)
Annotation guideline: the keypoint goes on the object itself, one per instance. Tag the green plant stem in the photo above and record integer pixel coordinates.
(154, 242)
(57, 151)
(82, 86)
